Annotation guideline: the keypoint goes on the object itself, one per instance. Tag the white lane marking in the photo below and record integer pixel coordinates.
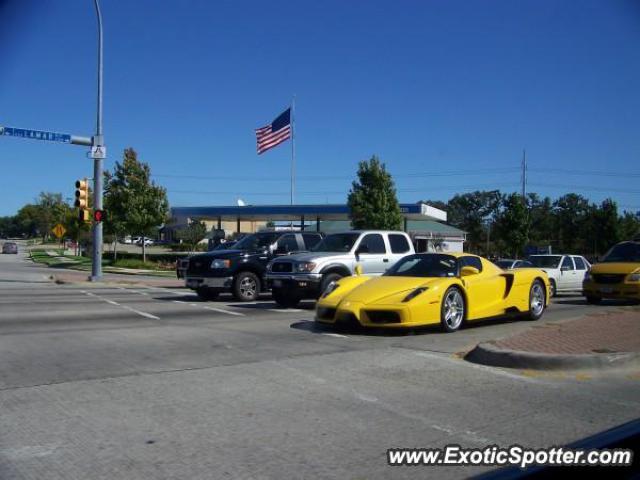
(132, 290)
(285, 310)
(144, 314)
(228, 312)
(133, 310)
(164, 290)
(337, 335)
(219, 310)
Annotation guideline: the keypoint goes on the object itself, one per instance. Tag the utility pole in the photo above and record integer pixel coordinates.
(98, 153)
(524, 174)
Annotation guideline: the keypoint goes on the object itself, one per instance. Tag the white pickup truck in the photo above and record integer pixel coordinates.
(307, 275)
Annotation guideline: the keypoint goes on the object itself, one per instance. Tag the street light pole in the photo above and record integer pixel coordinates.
(98, 155)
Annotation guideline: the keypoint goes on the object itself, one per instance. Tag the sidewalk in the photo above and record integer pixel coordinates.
(74, 276)
(592, 341)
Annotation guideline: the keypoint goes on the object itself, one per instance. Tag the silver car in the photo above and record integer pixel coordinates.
(10, 247)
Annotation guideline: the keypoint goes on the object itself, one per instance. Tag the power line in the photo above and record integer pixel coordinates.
(584, 172)
(495, 171)
(585, 187)
(342, 192)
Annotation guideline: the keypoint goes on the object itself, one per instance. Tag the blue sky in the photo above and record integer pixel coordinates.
(446, 93)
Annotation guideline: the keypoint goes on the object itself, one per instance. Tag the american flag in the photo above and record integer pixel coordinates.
(275, 133)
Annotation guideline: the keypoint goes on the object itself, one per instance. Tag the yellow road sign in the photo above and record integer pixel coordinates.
(59, 230)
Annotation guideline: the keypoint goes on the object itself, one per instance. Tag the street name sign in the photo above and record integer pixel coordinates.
(59, 230)
(35, 134)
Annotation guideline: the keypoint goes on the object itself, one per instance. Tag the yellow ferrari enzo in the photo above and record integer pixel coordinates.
(431, 288)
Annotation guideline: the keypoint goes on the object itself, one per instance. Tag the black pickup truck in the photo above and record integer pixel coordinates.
(241, 270)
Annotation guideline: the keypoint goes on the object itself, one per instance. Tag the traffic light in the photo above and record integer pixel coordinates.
(84, 216)
(82, 194)
(82, 201)
(98, 215)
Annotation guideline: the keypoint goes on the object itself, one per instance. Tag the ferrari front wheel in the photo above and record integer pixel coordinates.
(537, 300)
(452, 310)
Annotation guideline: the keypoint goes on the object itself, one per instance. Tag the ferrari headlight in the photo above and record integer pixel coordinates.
(634, 277)
(414, 294)
(219, 263)
(330, 289)
(305, 266)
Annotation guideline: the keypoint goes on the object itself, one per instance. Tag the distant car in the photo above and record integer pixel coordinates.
(509, 264)
(10, 247)
(566, 272)
(617, 276)
(147, 241)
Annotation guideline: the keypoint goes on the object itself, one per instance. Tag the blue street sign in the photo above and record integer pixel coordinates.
(35, 134)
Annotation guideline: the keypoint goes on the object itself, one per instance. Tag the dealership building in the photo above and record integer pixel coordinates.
(425, 224)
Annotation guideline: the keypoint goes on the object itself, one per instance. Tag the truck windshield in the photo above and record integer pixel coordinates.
(545, 261)
(337, 242)
(424, 265)
(623, 252)
(255, 242)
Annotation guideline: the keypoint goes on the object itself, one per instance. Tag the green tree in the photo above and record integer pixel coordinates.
(192, 233)
(513, 224)
(10, 227)
(571, 212)
(541, 213)
(373, 203)
(629, 225)
(475, 213)
(135, 204)
(603, 227)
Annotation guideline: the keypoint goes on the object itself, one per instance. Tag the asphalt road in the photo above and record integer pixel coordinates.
(123, 382)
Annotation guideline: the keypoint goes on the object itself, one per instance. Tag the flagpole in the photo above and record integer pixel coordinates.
(293, 149)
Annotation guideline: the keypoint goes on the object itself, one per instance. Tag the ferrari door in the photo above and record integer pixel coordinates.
(485, 290)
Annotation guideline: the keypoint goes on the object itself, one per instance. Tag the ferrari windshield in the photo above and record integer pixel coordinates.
(337, 242)
(623, 252)
(425, 265)
(546, 261)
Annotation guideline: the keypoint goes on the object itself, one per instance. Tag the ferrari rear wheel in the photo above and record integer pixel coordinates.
(452, 310)
(537, 300)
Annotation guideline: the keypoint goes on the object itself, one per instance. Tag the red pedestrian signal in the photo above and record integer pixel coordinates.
(98, 215)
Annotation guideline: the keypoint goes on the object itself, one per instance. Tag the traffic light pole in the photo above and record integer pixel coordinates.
(98, 153)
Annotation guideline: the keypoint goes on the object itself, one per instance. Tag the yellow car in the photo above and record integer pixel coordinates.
(432, 288)
(617, 276)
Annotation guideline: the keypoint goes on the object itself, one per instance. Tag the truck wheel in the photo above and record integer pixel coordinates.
(552, 284)
(327, 278)
(246, 287)
(285, 298)
(207, 294)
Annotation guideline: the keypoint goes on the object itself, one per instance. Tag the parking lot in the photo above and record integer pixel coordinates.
(137, 381)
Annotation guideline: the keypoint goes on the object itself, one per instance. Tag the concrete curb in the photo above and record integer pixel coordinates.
(492, 355)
